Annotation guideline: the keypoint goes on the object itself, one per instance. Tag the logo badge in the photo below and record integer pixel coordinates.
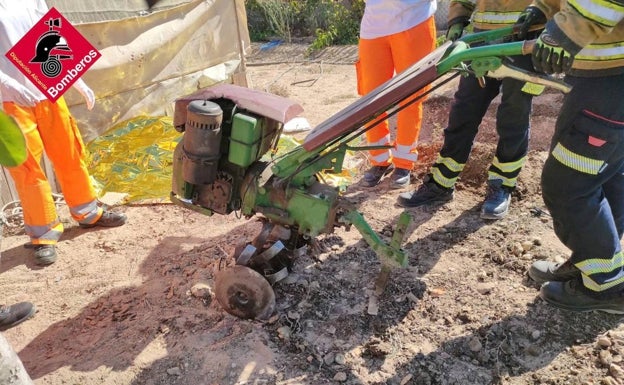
(53, 55)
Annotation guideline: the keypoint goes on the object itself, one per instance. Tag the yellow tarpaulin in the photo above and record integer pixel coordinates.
(135, 157)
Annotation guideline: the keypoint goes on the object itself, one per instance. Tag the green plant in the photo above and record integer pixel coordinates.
(341, 23)
(330, 22)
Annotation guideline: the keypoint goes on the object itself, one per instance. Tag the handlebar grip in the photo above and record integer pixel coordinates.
(527, 46)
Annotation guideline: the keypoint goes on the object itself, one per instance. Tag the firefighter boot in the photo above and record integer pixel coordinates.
(15, 314)
(496, 204)
(572, 295)
(373, 176)
(428, 193)
(544, 271)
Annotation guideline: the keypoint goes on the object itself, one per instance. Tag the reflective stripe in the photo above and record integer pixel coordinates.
(606, 13)
(595, 266)
(577, 162)
(47, 234)
(441, 179)
(601, 265)
(509, 182)
(601, 52)
(86, 213)
(381, 158)
(593, 285)
(533, 89)
(496, 17)
(384, 141)
(405, 152)
(450, 163)
(509, 166)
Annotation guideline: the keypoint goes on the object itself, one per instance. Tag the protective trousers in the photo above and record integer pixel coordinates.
(471, 102)
(49, 126)
(378, 60)
(583, 181)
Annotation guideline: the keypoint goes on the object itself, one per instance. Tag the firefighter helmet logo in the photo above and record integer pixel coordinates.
(53, 55)
(51, 48)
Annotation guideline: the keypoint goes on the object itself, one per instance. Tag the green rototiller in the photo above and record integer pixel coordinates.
(226, 163)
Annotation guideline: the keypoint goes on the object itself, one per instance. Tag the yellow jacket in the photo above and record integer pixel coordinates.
(486, 14)
(593, 28)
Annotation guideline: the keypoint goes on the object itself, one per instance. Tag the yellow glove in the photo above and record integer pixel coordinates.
(549, 56)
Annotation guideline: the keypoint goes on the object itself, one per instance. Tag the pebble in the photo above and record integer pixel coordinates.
(616, 371)
(604, 342)
(175, 371)
(284, 332)
(340, 359)
(202, 290)
(536, 335)
(475, 345)
(340, 377)
(605, 357)
(527, 245)
(485, 288)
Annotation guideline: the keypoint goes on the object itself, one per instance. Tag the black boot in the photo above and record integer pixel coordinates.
(428, 193)
(544, 271)
(15, 314)
(108, 219)
(373, 176)
(572, 295)
(45, 254)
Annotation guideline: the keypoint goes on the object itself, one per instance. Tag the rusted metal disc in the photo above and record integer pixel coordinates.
(245, 293)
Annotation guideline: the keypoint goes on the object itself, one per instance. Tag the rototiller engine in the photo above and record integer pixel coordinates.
(226, 163)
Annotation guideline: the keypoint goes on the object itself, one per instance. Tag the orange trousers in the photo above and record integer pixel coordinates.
(379, 60)
(49, 126)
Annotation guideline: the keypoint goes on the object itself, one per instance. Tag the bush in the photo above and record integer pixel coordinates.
(329, 22)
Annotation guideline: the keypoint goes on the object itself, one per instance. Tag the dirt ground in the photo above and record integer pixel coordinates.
(129, 305)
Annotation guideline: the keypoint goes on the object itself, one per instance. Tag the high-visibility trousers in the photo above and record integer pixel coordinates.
(379, 60)
(49, 126)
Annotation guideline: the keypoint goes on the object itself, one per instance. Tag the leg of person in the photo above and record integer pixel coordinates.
(587, 153)
(63, 145)
(470, 104)
(409, 47)
(513, 127)
(373, 68)
(41, 220)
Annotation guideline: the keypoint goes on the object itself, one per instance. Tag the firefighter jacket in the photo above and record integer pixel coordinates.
(486, 14)
(592, 29)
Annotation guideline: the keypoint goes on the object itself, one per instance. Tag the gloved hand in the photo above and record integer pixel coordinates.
(12, 90)
(86, 92)
(549, 56)
(528, 18)
(455, 31)
(456, 27)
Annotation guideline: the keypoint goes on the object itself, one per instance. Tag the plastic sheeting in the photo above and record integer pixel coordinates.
(150, 57)
(135, 158)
